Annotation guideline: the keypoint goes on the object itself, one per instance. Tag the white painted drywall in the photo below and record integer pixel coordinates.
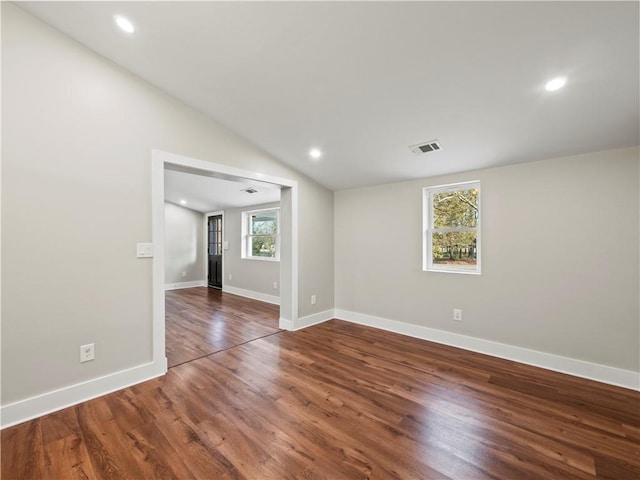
(248, 274)
(77, 136)
(559, 259)
(183, 243)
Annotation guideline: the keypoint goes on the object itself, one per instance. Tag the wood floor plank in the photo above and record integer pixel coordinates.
(22, 454)
(68, 458)
(334, 401)
(200, 321)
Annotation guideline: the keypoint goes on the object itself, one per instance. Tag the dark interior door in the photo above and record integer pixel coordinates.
(215, 251)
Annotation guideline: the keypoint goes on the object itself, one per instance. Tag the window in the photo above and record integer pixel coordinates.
(260, 234)
(452, 228)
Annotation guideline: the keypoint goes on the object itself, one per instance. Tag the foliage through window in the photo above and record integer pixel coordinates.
(452, 228)
(260, 234)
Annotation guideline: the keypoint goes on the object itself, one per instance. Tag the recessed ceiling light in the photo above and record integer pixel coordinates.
(124, 23)
(315, 153)
(183, 202)
(555, 84)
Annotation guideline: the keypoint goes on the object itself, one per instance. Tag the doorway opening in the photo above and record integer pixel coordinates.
(288, 272)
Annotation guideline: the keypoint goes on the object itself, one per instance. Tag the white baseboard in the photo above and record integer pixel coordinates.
(307, 321)
(549, 361)
(313, 319)
(176, 286)
(285, 324)
(263, 297)
(49, 402)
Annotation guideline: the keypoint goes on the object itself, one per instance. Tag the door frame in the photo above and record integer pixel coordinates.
(161, 160)
(206, 244)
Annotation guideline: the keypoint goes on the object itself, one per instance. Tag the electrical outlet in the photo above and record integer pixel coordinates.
(275, 285)
(313, 299)
(230, 277)
(457, 314)
(87, 352)
(184, 274)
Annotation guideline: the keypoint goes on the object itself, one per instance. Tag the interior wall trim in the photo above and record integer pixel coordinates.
(179, 285)
(578, 368)
(49, 402)
(313, 319)
(263, 297)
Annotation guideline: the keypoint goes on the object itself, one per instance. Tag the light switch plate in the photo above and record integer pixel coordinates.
(225, 245)
(144, 250)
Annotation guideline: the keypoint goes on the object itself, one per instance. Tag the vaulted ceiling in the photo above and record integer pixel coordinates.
(363, 81)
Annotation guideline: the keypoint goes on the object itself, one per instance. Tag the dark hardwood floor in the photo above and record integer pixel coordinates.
(339, 401)
(200, 321)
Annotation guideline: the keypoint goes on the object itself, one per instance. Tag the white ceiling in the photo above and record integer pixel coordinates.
(365, 80)
(208, 194)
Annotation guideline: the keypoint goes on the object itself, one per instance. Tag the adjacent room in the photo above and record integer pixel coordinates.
(222, 269)
(320, 240)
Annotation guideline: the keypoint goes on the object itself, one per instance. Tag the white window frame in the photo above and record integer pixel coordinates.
(246, 235)
(428, 229)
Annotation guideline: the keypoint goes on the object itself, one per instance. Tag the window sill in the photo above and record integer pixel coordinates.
(444, 270)
(262, 259)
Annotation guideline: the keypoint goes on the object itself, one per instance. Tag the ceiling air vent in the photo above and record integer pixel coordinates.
(250, 190)
(426, 147)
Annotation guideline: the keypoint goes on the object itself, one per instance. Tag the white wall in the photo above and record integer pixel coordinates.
(77, 136)
(248, 274)
(183, 243)
(559, 258)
